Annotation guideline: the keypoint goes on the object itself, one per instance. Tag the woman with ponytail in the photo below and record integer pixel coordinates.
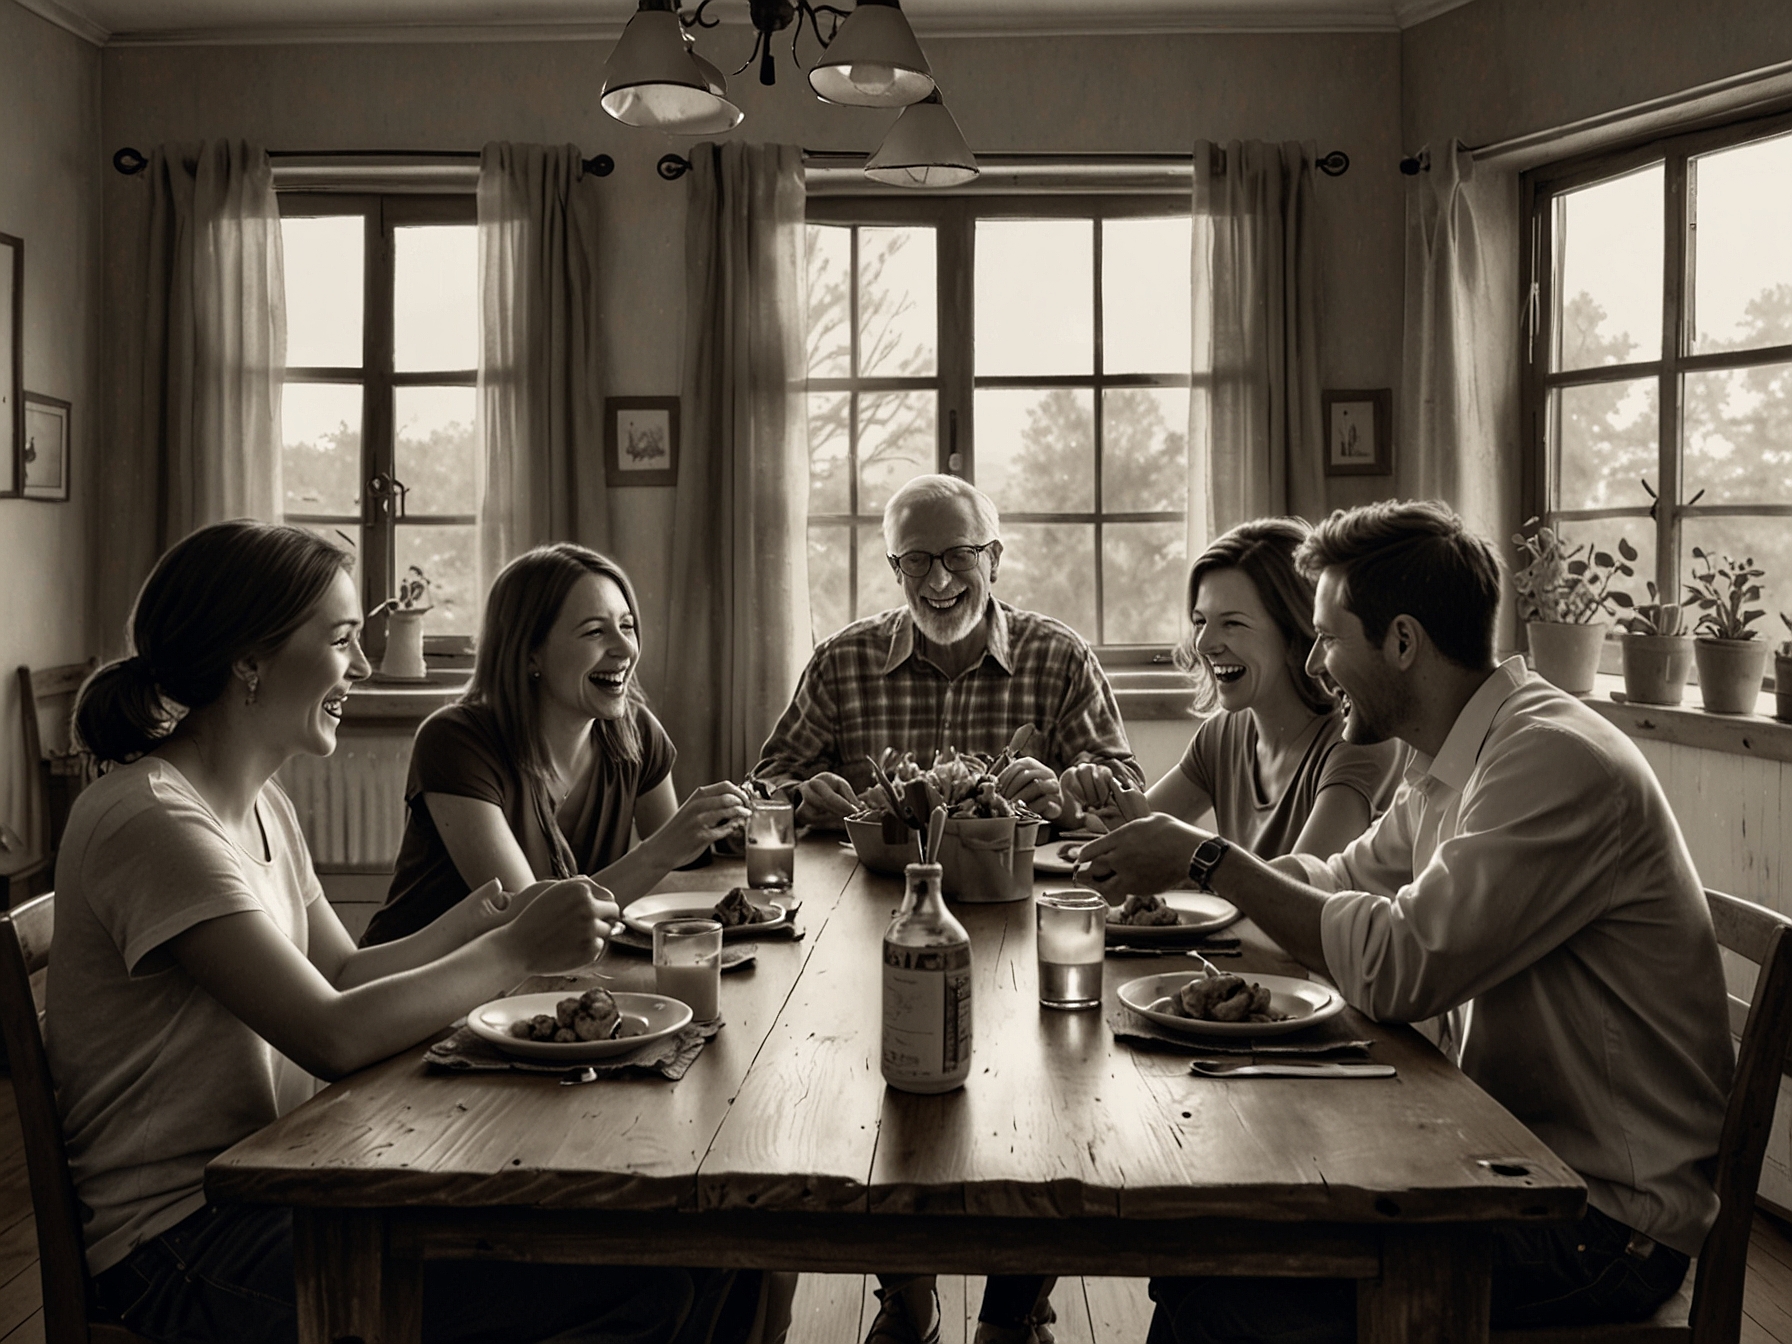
(201, 982)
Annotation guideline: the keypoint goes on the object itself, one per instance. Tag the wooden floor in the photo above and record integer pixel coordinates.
(837, 1309)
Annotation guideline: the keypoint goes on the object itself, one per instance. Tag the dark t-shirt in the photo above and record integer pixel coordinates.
(458, 751)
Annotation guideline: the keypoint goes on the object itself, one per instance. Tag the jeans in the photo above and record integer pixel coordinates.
(224, 1275)
(1008, 1299)
(1565, 1274)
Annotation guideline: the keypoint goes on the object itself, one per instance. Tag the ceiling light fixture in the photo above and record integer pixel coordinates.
(655, 79)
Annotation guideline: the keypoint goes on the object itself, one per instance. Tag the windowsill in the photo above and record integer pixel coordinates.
(1759, 734)
(1152, 693)
(375, 704)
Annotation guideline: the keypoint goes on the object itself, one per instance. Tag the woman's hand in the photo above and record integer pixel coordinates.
(559, 926)
(708, 814)
(1033, 783)
(1103, 798)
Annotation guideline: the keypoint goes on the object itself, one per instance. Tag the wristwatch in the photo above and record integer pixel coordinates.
(1205, 859)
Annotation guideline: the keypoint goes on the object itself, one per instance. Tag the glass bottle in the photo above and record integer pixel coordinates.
(927, 990)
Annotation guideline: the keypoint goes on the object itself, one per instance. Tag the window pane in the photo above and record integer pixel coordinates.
(898, 303)
(1605, 440)
(829, 265)
(1738, 425)
(435, 317)
(1742, 247)
(1768, 541)
(878, 590)
(830, 596)
(1144, 572)
(830, 466)
(1145, 295)
(347, 536)
(1050, 567)
(320, 461)
(1608, 266)
(1036, 449)
(324, 280)
(896, 443)
(436, 455)
(447, 556)
(1144, 450)
(1640, 533)
(1035, 296)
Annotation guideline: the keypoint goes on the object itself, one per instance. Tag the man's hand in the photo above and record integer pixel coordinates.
(1033, 783)
(1140, 858)
(828, 799)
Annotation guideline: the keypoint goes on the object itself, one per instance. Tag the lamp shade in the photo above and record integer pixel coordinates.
(654, 79)
(874, 60)
(923, 149)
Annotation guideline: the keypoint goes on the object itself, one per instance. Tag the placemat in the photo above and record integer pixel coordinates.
(670, 1057)
(1327, 1038)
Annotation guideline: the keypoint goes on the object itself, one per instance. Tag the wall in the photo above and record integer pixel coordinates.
(50, 197)
(1063, 94)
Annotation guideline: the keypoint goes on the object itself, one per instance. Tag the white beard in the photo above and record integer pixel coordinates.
(945, 627)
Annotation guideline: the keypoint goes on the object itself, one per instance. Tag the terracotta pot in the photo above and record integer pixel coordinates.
(404, 646)
(1782, 687)
(878, 854)
(987, 859)
(1655, 668)
(1567, 655)
(1730, 672)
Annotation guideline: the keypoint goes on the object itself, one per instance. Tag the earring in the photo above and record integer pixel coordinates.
(535, 674)
(254, 681)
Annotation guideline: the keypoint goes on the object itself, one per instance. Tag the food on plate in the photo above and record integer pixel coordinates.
(1149, 911)
(736, 908)
(1223, 998)
(591, 1016)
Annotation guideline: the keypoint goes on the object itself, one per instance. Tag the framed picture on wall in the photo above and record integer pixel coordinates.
(640, 441)
(12, 362)
(1359, 432)
(43, 461)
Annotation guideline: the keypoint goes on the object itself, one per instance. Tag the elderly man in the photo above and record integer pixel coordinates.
(1531, 870)
(953, 667)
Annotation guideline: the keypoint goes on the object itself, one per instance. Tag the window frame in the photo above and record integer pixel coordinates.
(1539, 189)
(955, 220)
(382, 508)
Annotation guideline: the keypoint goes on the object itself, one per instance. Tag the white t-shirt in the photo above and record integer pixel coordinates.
(155, 1077)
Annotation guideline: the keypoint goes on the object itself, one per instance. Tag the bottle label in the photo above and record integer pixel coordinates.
(927, 1012)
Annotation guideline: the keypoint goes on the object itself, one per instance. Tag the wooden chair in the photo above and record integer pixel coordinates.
(25, 936)
(54, 775)
(1708, 1309)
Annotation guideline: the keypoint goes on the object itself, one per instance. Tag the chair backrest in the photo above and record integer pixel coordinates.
(25, 935)
(1764, 937)
(57, 774)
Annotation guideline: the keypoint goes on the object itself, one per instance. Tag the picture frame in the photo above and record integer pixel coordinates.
(1359, 431)
(640, 441)
(44, 449)
(12, 364)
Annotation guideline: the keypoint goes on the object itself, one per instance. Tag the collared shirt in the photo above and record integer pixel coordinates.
(1534, 871)
(869, 687)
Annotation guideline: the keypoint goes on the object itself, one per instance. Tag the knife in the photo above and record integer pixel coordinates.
(1202, 1068)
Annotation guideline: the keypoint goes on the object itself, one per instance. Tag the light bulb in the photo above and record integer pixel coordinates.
(872, 77)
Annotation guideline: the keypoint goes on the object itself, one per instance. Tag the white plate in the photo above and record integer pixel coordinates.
(1196, 912)
(1306, 1002)
(1058, 858)
(654, 1017)
(643, 914)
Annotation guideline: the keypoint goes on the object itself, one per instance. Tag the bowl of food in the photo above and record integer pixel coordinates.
(876, 852)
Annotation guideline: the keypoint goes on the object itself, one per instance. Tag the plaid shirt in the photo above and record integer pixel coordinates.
(867, 687)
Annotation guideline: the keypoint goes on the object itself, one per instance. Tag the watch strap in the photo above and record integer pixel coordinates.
(1205, 859)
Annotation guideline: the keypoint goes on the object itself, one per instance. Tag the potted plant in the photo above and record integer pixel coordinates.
(1730, 658)
(404, 613)
(1563, 590)
(1657, 653)
(1782, 675)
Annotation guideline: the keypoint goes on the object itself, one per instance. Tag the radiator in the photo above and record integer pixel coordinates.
(351, 803)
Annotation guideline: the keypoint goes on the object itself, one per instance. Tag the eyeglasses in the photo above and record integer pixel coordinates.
(956, 559)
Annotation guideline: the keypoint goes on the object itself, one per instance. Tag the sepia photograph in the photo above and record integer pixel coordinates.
(641, 446)
(44, 460)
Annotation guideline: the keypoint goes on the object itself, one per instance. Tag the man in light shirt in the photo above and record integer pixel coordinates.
(1529, 872)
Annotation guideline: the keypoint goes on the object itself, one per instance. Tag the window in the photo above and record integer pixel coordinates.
(1661, 363)
(378, 405)
(1041, 349)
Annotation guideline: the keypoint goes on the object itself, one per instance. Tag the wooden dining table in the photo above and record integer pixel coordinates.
(1068, 1151)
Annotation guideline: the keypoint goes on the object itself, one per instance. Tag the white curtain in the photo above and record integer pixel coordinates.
(1459, 385)
(540, 417)
(1255, 442)
(740, 590)
(208, 359)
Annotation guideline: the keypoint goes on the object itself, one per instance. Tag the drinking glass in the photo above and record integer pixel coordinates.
(771, 844)
(687, 963)
(1072, 931)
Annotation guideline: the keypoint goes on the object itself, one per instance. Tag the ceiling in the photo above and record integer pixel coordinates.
(188, 22)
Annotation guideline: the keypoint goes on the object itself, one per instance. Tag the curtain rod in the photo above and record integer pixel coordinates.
(131, 161)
